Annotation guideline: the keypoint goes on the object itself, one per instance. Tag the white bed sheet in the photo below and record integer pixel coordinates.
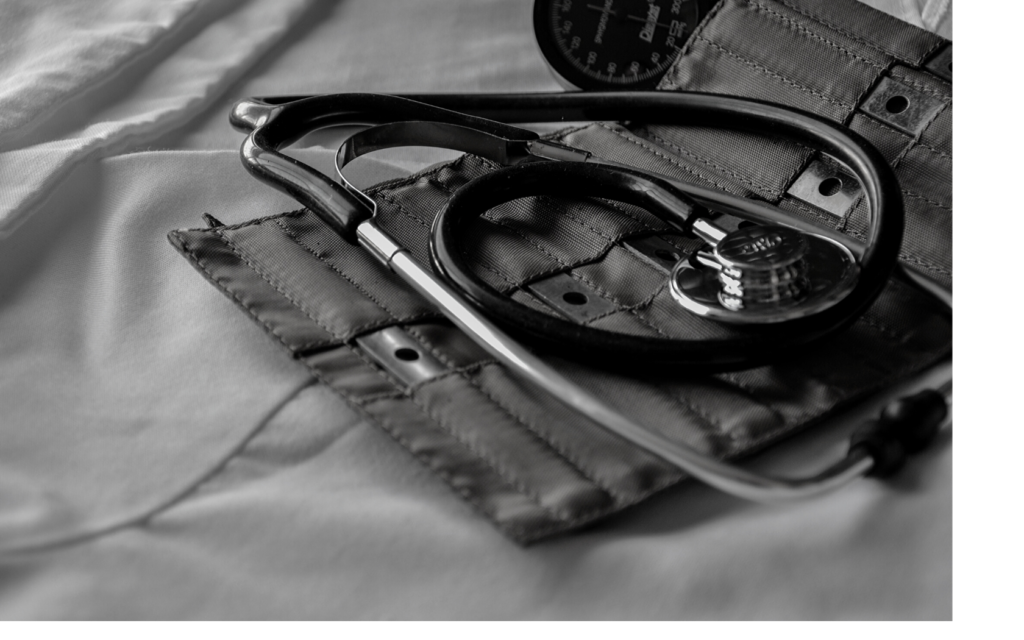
(162, 458)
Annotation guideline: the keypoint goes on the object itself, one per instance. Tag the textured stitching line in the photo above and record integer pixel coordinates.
(390, 199)
(886, 129)
(437, 353)
(569, 213)
(913, 259)
(670, 159)
(601, 291)
(672, 84)
(521, 234)
(278, 288)
(825, 383)
(907, 257)
(868, 89)
(556, 269)
(924, 264)
(340, 337)
(269, 328)
(820, 216)
(254, 222)
(566, 211)
(941, 154)
(914, 142)
(429, 316)
(495, 466)
(918, 196)
(771, 74)
(714, 427)
(647, 322)
(644, 227)
(453, 373)
(733, 378)
(767, 407)
(750, 183)
(388, 322)
(335, 268)
(791, 178)
(940, 43)
(442, 356)
(524, 236)
(376, 367)
(602, 316)
(562, 134)
(807, 32)
(644, 321)
(516, 531)
(711, 425)
(511, 283)
(549, 442)
(631, 309)
(593, 515)
(510, 479)
(839, 29)
(379, 370)
(374, 397)
(897, 73)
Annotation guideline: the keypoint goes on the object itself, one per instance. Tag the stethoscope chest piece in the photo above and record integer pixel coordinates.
(764, 274)
(781, 269)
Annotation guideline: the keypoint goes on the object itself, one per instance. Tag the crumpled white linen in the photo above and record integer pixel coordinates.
(84, 80)
(53, 52)
(160, 456)
(934, 15)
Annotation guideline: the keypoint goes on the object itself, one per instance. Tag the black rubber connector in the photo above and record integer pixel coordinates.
(905, 427)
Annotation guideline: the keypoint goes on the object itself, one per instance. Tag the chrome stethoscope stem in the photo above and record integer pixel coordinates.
(726, 477)
(878, 448)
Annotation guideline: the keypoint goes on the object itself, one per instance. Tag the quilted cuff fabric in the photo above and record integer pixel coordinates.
(513, 452)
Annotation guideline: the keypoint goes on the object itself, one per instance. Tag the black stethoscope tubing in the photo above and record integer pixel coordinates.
(741, 347)
(878, 448)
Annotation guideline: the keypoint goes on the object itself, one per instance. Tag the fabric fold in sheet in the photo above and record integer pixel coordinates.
(141, 378)
(125, 379)
(142, 96)
(53, 52)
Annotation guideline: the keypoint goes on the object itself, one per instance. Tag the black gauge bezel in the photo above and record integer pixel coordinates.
(566, 71)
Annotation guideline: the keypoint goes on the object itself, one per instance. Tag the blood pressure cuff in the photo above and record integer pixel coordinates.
(513, 452)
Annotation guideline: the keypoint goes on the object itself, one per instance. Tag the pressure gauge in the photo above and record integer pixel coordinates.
(603, 45)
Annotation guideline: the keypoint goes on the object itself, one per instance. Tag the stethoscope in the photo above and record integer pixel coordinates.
(782, 282)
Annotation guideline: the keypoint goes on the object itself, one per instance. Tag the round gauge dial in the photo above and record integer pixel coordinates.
(614, 44)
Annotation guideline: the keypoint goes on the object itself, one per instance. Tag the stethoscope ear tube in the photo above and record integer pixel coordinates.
(907, 425)
(739, 349)
(880, 447)
(273, 124)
